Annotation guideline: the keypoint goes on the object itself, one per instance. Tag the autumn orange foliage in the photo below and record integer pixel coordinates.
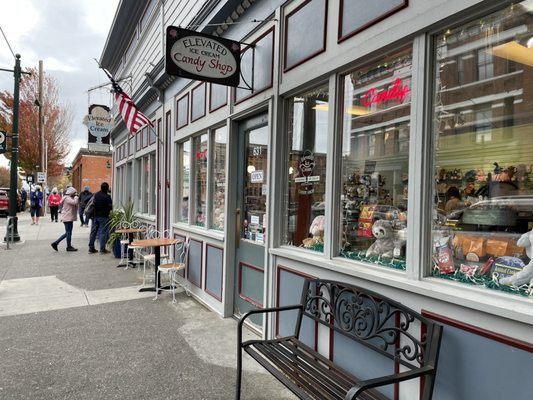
(57, 120)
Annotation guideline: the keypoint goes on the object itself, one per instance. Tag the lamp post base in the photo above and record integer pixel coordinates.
(13, 237)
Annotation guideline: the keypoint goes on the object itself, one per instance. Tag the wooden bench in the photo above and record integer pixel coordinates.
(405, 339)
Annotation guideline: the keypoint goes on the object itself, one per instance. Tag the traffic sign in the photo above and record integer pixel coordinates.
(41, 177)
(3, 142)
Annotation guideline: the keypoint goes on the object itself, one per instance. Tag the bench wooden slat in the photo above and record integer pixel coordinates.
(302, 373)
(294, 374)
(321, 367)
(315, 374)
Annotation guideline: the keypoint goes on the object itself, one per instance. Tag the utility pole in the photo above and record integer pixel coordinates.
(41, 125)
(42, 142)
(14, 153)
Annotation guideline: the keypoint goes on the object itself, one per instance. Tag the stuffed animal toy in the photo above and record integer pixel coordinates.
(526, 275)
(317, 230)
(384, 244)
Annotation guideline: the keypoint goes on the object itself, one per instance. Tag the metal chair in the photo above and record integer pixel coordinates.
(180, 258)
(124, 241)
(125, 245)
(149, 257)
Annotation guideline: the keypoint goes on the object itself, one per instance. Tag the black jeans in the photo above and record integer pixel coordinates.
(54, 212)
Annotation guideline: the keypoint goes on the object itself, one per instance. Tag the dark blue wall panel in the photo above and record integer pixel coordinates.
(290, 292)
(477, 368)
(213, 271)
(194, 273)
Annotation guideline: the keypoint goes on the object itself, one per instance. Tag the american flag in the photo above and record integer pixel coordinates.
(133, 118)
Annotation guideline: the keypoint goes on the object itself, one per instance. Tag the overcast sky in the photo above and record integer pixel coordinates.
(66, 35)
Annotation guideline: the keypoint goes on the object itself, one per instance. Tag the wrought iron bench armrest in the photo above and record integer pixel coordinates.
(261, 311)
(387, 380)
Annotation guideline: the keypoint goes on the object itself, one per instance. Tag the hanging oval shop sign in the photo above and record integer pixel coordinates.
(195, 55)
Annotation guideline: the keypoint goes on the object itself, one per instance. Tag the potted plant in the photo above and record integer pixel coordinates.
(118, 218)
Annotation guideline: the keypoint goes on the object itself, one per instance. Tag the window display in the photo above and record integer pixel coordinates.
(375, 158)
(200, 180)
(145, 184)
(218, 180)
(483, 117)
(307, 140)
(184, 179)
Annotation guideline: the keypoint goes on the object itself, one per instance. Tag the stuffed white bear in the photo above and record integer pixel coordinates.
(384, 244)
(526, 275)
(317, 230)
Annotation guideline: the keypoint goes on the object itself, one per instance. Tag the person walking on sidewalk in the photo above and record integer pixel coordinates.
(103, 204)
(85, 196)
(53, 201)
(23, 198)
(36, 203)
(69, 212)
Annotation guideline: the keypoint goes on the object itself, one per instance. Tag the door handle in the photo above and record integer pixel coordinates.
(238, 223)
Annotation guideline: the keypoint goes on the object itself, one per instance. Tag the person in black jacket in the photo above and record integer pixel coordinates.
(103, 204)
(84, 199)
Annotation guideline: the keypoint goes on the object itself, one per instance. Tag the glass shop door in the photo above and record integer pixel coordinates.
(251, 216)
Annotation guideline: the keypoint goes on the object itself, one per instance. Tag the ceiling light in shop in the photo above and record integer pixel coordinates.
(353, 110)
(514, 51)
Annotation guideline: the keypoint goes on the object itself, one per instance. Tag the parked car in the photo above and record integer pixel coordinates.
(503, 213)
(19, 199)
(4, 203)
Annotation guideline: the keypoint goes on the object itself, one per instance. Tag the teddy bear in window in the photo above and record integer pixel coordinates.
(526, 275)
(384, 244)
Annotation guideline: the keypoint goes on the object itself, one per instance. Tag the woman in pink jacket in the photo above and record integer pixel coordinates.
(54, 200)
(69, 214)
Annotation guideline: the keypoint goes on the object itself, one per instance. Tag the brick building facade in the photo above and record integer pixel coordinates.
(91, 168)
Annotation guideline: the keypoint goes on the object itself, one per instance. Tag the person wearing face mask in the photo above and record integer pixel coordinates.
(69, 215)
(54, 200)
(36, 203)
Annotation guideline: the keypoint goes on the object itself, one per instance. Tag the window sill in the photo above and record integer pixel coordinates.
(498, 304)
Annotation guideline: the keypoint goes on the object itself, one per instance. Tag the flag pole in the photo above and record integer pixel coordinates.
(116, 87)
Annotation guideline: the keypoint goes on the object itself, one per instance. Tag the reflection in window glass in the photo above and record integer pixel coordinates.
(375, 158)
(200, 179)
(218, 180)
(138, 175)
(183, 195)
(146, 183)
(153, 183)
(484, 152)
(307, 140)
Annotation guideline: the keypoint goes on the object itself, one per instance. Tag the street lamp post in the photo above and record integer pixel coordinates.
(14, 155)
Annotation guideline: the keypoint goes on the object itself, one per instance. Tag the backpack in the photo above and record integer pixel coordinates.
(89, 208)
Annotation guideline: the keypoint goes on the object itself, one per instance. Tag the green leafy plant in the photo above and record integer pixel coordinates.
(119, 218)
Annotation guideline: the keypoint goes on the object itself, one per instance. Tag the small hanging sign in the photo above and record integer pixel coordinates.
(3, 142)
(198, 56)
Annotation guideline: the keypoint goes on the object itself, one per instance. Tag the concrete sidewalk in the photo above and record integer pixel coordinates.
(73, 326)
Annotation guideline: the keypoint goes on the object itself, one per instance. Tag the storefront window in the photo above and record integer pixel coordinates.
(483, 118)
(184, 179)
(146, 183)
(138, 175)
(218, 180)
(153, 184)
(200, 179)
(375, 160)
(307, 143)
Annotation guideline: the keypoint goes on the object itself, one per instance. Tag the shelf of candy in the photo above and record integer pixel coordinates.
(494, 260)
